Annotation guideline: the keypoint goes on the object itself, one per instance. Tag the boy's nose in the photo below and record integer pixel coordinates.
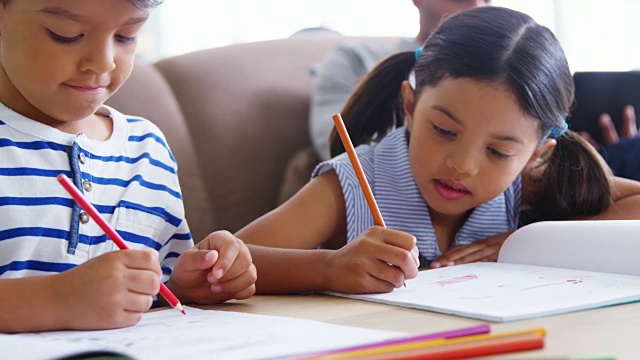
(99, 59)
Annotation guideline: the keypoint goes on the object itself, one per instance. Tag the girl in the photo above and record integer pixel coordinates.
(456, 159)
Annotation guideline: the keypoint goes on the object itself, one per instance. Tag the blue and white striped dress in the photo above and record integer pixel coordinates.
(130, 178)
(386, 166)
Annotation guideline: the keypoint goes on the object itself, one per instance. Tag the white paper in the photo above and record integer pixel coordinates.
(608, 246)
(209, 334)
(506, 292)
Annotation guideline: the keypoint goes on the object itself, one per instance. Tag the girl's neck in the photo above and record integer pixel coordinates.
(446, 227)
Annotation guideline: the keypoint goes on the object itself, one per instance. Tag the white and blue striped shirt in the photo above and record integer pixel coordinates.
(130, 178)
(386, 166)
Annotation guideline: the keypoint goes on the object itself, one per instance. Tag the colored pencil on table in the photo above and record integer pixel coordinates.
(448, 334)
(465, 342)
(473, 349)
(111, 233)
(362, 179)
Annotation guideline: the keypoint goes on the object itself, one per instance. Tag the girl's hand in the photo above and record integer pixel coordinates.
(482, 250)
(112, 290)
(379, 260)
(217, 269)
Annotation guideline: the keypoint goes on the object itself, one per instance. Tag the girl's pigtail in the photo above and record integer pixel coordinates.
(375, 107)
(576, 182)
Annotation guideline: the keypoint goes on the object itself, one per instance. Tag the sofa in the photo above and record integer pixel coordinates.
(234, 117)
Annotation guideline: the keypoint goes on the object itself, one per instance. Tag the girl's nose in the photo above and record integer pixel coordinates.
(464, 163)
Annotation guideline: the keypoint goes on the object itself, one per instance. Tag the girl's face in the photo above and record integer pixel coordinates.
(61, 59)
(469, 141)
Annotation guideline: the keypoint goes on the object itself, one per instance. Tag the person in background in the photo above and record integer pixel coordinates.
(457, 140)
(621, 151)
(60, 60)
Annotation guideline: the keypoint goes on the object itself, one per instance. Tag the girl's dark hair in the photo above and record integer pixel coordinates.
(140, 4)
(494, 45)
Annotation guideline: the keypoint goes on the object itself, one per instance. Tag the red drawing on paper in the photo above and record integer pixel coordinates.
(456, 280)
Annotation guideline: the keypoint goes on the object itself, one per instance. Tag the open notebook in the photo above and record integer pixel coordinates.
(543, 269)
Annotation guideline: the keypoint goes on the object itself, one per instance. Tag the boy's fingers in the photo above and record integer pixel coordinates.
(242, 284)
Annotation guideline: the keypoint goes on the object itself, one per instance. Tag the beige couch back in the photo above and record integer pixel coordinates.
(233, 116)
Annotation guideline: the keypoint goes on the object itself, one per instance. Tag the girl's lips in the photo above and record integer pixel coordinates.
(450, 191)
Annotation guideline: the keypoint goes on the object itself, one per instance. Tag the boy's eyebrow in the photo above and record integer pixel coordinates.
(63, 13)
(456, 120)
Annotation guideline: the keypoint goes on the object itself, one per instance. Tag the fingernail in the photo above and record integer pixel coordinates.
(216, 289)
(218, 274)
(208, 256)
(451, 263)
(435, 265)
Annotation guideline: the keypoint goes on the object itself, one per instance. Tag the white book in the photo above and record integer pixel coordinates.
(201, 334)
(543, 269)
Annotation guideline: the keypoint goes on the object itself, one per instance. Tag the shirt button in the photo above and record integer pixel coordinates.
(81, 158)
(86, 185)
(84, 217)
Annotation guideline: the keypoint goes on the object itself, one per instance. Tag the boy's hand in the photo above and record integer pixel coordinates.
(217, 269)
(378, 261)
(112, 290)
(482, 250)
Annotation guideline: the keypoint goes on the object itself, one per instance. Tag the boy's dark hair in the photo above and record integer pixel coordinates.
(493, 45)
(140, 4)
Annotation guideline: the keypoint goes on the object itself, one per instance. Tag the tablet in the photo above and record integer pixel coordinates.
(603, 92)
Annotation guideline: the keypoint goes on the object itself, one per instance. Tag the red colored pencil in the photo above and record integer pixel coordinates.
(111, 233)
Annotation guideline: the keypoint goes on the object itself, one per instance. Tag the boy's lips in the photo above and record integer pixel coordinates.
(87, 88)
(450, 190)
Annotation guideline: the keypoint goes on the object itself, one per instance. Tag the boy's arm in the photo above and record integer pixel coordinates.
(109, 291)
(29, 304)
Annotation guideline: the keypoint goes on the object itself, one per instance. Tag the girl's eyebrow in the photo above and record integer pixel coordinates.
(455, 119)
(65, 14)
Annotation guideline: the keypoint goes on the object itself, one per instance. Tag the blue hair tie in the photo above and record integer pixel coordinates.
(418, 52)
(557, 132)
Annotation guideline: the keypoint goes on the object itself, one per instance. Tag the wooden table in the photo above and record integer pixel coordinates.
(605, 332)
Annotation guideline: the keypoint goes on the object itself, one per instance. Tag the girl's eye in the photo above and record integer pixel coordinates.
(63, 39)
(126, 40)
(498, 154)
(443, 131)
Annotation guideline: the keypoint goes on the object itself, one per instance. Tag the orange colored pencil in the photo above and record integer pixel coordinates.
(362, 179)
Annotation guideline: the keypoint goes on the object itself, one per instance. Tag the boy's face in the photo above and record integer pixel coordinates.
(61, 59)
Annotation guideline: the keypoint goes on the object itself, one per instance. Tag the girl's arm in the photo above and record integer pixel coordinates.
(626, 205)
(284, 247)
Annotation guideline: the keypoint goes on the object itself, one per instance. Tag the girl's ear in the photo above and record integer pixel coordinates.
(408, 103)
(543, 151)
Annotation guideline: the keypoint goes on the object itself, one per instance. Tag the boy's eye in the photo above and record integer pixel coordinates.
(443, 131)
(498, 154)
(126, 40)
(64, 39)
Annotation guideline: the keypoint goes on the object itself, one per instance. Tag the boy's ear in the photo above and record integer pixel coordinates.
(408, 103)
(543, 151)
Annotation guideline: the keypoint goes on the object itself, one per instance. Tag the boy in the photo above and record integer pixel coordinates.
(59, 61)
